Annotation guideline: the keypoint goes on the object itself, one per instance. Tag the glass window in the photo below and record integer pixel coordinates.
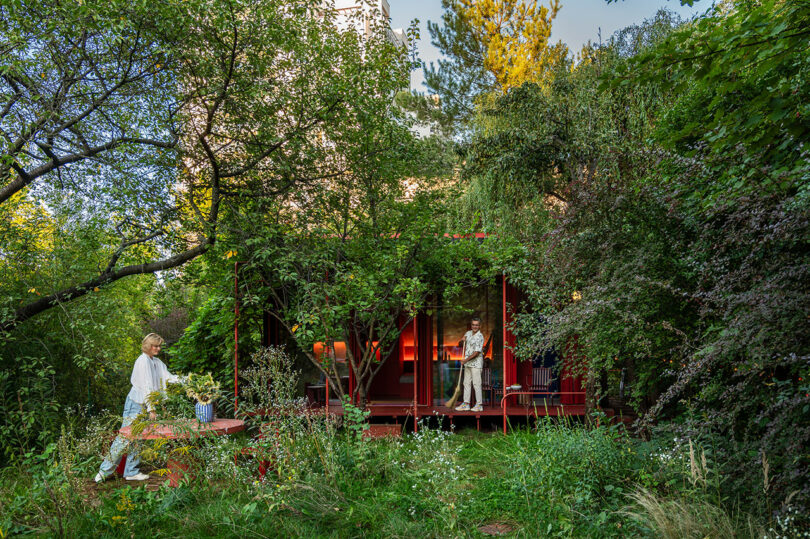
(452, 321)
(339, 347)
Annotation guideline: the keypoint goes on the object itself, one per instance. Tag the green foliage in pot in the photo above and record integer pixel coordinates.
(202, 388)
(173, 404)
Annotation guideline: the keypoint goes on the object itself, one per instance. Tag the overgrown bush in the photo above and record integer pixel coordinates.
(669, 231)
(207, 343)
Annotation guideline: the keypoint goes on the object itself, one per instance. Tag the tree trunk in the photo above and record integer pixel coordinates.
(590, 395)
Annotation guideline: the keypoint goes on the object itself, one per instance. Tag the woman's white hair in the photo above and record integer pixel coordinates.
(149, 340)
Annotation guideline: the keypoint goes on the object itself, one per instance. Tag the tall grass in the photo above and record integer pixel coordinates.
(558, 479)
(687, 519)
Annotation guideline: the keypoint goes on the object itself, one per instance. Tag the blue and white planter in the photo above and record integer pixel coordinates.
(204, 412)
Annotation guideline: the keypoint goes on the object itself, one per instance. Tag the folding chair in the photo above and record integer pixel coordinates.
(541, 379)
(486, 384)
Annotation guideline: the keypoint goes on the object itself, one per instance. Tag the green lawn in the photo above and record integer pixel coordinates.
(551, 481)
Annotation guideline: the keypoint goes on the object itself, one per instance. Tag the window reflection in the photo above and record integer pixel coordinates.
(452, 321)
(321, 348)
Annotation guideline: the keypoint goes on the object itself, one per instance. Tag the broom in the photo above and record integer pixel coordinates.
(452, 402)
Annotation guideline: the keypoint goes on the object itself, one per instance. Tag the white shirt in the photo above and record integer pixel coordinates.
(149, 374)
(475, 343)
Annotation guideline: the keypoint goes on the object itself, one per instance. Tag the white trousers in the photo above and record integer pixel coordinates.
(472, 378)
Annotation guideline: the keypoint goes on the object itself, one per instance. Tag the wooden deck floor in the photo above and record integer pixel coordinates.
(404, 409)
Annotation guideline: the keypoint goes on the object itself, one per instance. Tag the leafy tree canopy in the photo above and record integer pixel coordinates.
(488, 46)
(137, 122)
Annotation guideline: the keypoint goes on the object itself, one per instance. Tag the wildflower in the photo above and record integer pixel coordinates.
(125, 503)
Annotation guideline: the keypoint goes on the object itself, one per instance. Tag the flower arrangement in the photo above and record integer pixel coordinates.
(171, 404)
(202, 388)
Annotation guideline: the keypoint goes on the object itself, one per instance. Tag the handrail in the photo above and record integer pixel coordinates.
(533, 393)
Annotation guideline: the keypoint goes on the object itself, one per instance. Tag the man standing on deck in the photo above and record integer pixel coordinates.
(473, 361)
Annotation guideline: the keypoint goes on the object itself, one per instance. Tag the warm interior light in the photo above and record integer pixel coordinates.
(320, 348)
(407, 346)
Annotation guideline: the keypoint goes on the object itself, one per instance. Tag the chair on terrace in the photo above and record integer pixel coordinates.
(486, 384)
(541, 379)
(486, 373)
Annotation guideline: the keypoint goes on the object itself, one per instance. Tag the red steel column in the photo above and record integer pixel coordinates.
(415, 378)
(236, 336)
(504, 402)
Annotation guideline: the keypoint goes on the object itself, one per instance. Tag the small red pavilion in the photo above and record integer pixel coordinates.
(421, 373)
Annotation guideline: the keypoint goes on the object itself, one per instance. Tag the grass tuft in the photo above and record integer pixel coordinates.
(686, 519)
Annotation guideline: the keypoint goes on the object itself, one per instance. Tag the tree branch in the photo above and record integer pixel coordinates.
(25, 178)
(68, 294)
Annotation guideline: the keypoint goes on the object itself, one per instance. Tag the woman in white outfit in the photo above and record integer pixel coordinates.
(148, 375)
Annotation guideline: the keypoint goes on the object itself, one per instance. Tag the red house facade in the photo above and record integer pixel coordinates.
(421, 372)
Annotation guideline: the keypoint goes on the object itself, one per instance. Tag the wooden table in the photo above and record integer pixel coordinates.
(314, 393)
(179, 429)
(184, 428)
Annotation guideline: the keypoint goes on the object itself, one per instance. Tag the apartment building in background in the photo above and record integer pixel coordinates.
(360, 14)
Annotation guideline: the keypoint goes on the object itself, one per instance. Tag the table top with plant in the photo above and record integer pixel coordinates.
(176, 402)
(174, 414)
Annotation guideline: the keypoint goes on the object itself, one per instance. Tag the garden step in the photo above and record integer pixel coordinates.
(382, 431)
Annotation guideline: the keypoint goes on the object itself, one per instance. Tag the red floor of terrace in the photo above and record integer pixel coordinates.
(402, 410)
(405, 408)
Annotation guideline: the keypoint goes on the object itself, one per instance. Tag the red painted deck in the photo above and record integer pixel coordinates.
(405, 409)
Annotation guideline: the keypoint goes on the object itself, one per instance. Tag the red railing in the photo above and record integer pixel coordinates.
(533, 394)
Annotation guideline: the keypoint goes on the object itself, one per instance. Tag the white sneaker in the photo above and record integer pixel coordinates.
(463, 407)
(477, 408)
(139, 477)
(100, 477)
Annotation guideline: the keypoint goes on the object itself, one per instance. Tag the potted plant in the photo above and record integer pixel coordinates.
(204, 390)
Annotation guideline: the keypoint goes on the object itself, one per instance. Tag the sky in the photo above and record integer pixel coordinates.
(577, 22)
